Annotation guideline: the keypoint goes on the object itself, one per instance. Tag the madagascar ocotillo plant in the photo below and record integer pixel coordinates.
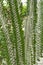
(16, 49)
(33, 20)
(3, 47)
(38, 31)
(27, 42)
(41, 14)
(18, 33)
(31, 15)
(30, 33)
(5, 30)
